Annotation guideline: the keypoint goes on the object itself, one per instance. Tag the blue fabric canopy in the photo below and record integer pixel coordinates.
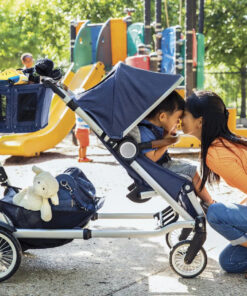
(125, 97)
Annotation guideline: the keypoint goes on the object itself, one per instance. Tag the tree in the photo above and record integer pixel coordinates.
(32, 26)
(42, 26)
(226, 35)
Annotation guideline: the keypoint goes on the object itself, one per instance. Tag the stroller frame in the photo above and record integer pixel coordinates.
(188, 250)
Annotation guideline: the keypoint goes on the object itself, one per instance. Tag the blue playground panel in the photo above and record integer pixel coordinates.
(168, 47)
(95, 29)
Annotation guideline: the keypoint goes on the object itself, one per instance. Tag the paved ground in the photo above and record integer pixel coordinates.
(116, 267)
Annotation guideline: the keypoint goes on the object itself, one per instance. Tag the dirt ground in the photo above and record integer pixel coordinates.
(112, 266)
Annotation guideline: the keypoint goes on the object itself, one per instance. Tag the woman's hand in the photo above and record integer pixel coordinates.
(244, 202)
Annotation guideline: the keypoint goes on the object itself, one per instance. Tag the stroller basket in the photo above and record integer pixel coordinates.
(24, 108)
(22, 218)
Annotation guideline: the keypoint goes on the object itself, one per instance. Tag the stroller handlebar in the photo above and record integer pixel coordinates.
(50, 83)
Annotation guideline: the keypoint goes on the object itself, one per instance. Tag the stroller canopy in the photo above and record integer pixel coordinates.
(125, 97)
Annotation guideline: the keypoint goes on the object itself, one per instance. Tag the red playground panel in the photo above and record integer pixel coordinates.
(139, 61)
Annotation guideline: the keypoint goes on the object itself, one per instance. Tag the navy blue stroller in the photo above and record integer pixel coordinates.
(112, 109)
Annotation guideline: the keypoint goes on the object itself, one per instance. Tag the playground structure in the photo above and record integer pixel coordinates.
(117, 40)
(95, 47)
(120, 40)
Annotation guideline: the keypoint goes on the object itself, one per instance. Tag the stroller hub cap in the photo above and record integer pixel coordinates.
(128, 150)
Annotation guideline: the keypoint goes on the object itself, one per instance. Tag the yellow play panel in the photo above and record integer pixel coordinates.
(118, 40)
(232, 123)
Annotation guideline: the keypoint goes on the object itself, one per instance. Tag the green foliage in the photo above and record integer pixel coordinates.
(226, 33)
(226, 84)
(32, 26)
(42, 26)
(98, 11)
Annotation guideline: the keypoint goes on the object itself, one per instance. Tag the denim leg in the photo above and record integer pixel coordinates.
(230, 221)
(234, 259)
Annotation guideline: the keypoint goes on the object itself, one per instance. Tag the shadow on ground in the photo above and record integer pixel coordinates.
(47, 156)
(113, 267)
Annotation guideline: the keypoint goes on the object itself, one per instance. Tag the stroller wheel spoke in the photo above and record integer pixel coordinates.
(10, 256)
(172, 238)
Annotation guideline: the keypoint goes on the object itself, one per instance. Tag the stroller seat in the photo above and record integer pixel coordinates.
(130, 94)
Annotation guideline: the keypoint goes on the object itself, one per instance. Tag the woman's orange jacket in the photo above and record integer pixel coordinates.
(229, 161)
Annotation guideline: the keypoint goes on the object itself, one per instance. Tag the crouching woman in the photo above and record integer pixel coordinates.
(223, 154)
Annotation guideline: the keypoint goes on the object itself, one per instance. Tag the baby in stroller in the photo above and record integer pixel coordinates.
(159, 127)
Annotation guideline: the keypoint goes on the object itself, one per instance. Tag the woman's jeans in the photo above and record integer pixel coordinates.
(231, 222)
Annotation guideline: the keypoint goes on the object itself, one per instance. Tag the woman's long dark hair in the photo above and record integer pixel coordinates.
(211, 108)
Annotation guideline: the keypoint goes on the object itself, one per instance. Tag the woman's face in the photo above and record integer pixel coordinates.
(191, 125)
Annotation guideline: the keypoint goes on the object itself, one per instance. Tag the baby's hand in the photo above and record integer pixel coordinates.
(173, 132)
(172, 139)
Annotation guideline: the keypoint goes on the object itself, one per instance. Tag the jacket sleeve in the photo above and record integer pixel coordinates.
(228, 168)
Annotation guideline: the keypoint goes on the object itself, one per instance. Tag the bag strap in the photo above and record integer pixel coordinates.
(72, 193)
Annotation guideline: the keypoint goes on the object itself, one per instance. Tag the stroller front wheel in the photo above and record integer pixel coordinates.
(177, 235)
(177, 256)
(10, 255)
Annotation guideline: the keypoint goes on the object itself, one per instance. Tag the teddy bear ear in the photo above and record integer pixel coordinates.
(37, 170)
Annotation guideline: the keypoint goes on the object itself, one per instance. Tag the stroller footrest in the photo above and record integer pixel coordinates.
(136, 196)
(132, 186)
(166, 217)
(147, 194)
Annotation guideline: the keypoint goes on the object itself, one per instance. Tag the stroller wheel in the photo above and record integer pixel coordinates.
(10, 255)
(177, 263)
(177, 235)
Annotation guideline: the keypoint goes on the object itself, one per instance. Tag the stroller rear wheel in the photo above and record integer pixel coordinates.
(177, 235)
(10, 255)
(177, 263)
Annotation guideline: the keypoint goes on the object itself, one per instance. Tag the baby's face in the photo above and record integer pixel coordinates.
(169, 122)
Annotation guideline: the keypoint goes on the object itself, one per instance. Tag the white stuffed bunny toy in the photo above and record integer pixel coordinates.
(35, 198)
